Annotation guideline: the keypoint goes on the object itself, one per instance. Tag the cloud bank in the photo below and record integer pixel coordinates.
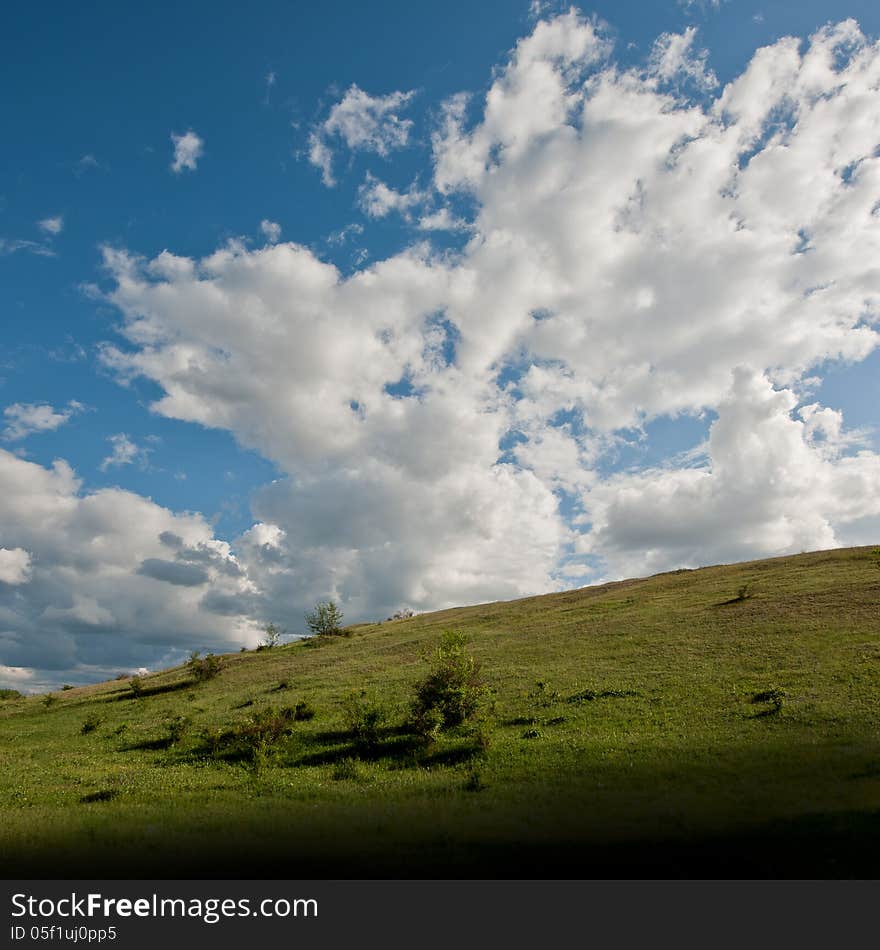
(642, 246)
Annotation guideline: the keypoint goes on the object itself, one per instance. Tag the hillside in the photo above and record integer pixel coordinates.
(721, 722)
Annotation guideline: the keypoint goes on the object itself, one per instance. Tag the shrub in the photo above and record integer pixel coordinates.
(66, 686)
(364, 718)
(325, 620)
(90, 724)
(544, 694)
(136, 685)
(50, 700)
(10, 694)
(403, 614)
(213, 739)
(348, 770)
(177, 727)
(265, 727)
(474, 781)
(204, 667)
(302, 712)
(452, 692)
(254, 737)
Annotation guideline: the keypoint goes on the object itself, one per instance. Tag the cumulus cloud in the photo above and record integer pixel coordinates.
(445, 421)
(188, 149)
(174, 572)
(24, 419)
(773, 483)
(630, 250)
(124, 451)
(15, 566)
(377, 199)
(271, 230)
(51, 226)
(83, 589)
(362, 123)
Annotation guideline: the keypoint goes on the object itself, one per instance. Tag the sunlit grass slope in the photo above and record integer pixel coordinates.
(646, 750)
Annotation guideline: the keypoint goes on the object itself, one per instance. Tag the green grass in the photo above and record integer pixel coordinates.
(720, 722)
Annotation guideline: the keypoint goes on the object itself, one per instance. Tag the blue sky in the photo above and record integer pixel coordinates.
(605, 410)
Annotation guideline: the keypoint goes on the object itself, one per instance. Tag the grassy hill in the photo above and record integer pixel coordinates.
(721, 722)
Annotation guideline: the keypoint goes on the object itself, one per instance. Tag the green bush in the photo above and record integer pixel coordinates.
(347, 770)
(214, 739)
(90, 724)
(204, 667)
(452, 692)
(136, 685)
(303, 711)
(177, 728)
(10, 694)
(364, 718)
(544, 694)
(265, 728)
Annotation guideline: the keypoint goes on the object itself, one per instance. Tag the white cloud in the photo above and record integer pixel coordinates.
(632, 255)
(188, 149)
(15, 677)
(24, 419)
(271, 230)
(702, 5)
(52, 226)
(15, 566)
(13, 245)
(769, 488)
(338, 238)
(75, 565)
(673, 57)
(123, 452)
(442, 220)
(377, 199)
(84, 163)
(536, 94)
(363, 123)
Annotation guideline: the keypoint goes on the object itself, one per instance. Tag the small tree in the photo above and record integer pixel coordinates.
(273, 636)
(326, 619)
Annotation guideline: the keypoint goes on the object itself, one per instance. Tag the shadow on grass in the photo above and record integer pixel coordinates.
(152, 691)
(149, 745)
(396, 746)
(104, 795)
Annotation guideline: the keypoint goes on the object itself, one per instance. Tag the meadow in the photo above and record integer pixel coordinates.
(720, 722)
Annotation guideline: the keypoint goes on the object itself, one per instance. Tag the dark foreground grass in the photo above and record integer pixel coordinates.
(715, 723)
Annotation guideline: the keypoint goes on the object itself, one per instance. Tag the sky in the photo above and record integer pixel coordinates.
(410, 305)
